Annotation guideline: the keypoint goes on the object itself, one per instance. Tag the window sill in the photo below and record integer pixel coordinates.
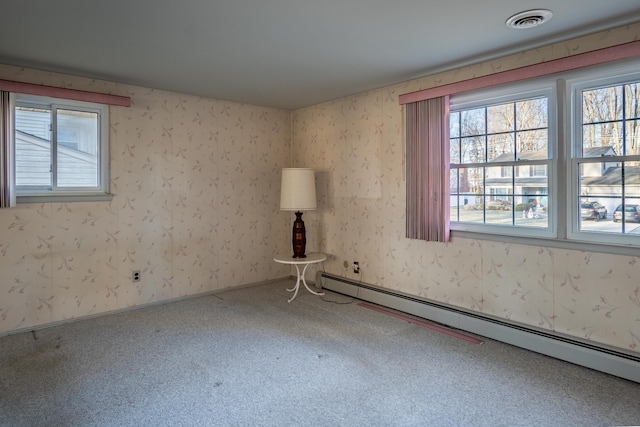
(62, 198)
(627, 250)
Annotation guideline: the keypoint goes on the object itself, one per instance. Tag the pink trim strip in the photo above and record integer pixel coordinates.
(423, 323)
(600, 56)
(64, 93)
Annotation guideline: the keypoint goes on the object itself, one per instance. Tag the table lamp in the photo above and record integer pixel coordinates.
(298, 193)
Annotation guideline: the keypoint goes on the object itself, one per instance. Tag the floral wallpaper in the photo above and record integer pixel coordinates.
(356, 144)
(195, 208)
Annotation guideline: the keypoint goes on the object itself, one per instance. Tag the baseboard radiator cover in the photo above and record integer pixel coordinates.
(600, 358)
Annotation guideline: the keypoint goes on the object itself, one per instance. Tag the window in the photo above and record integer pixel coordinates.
(500, 152)
(61, 148)
(523, 167)
(605, 160)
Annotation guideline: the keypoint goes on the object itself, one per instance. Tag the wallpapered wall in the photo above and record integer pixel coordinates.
(196, 208)
(356, 144)
(196, 184)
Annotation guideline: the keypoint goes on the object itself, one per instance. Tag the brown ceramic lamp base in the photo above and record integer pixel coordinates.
(299, 239)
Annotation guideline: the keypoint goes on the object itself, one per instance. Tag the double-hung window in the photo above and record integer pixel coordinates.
(61, 149)
(502, 147)
(605, 157)
(557, 158)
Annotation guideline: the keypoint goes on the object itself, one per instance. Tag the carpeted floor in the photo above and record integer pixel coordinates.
(246, 357)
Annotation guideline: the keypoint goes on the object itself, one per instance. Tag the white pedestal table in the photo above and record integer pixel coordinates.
(312, 258)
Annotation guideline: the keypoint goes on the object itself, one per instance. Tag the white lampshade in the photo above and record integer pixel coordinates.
(298, 189)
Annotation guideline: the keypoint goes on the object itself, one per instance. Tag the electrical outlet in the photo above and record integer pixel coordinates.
(135, 276)
(345, 264)
(356, 267)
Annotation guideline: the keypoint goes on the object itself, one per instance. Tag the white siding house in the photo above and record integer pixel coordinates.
(33, 164)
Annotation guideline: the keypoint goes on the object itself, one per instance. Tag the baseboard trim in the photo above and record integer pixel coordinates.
(569, 349)
(134, 307)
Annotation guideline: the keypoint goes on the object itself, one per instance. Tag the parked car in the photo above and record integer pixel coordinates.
(631, 213)
(593, 210)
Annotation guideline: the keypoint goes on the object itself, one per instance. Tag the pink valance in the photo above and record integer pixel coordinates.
(64, 93)
(600, 56)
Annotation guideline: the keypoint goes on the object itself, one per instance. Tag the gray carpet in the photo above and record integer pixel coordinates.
(246, 357)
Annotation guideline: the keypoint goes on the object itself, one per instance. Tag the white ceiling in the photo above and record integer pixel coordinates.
(281, 53)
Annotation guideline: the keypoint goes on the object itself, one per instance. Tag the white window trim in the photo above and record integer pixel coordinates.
(511, 93)
(70, 194)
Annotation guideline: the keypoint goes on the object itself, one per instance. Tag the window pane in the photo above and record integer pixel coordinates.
(600, 191)
(473, 210)
(539, 170)
(473, 122)
(532, 114)
(496, 182)
(472, 182)
(454, 200)
(632, 138)
(602, 105)
(632, 101)
(471, 197)
(600, 178)
(453, 209)
(602, 140)
(77, 148)
(626, 216)
(472, 149)
(454, 150)
(532, 145)
(531, 197)
(33, 147)
(500, 118)
(631, 179)
(499, 200)
(497, 214)
(526, 183)
(501, 148)
(594, 173)
(596, 214)
(603, 191)
(454, 125)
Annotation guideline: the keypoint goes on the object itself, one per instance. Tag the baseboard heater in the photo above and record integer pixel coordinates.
(568, 349)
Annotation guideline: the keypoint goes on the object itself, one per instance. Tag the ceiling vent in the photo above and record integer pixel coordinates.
(529, 19)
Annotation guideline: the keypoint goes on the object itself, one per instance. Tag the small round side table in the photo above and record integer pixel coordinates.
(298, 262)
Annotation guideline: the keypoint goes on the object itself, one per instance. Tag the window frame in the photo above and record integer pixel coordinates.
(565, 225)
(595, 77)
(515, 92)
(56, 193)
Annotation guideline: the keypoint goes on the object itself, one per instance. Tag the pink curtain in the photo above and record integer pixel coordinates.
(7, 198)
(427, 159)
